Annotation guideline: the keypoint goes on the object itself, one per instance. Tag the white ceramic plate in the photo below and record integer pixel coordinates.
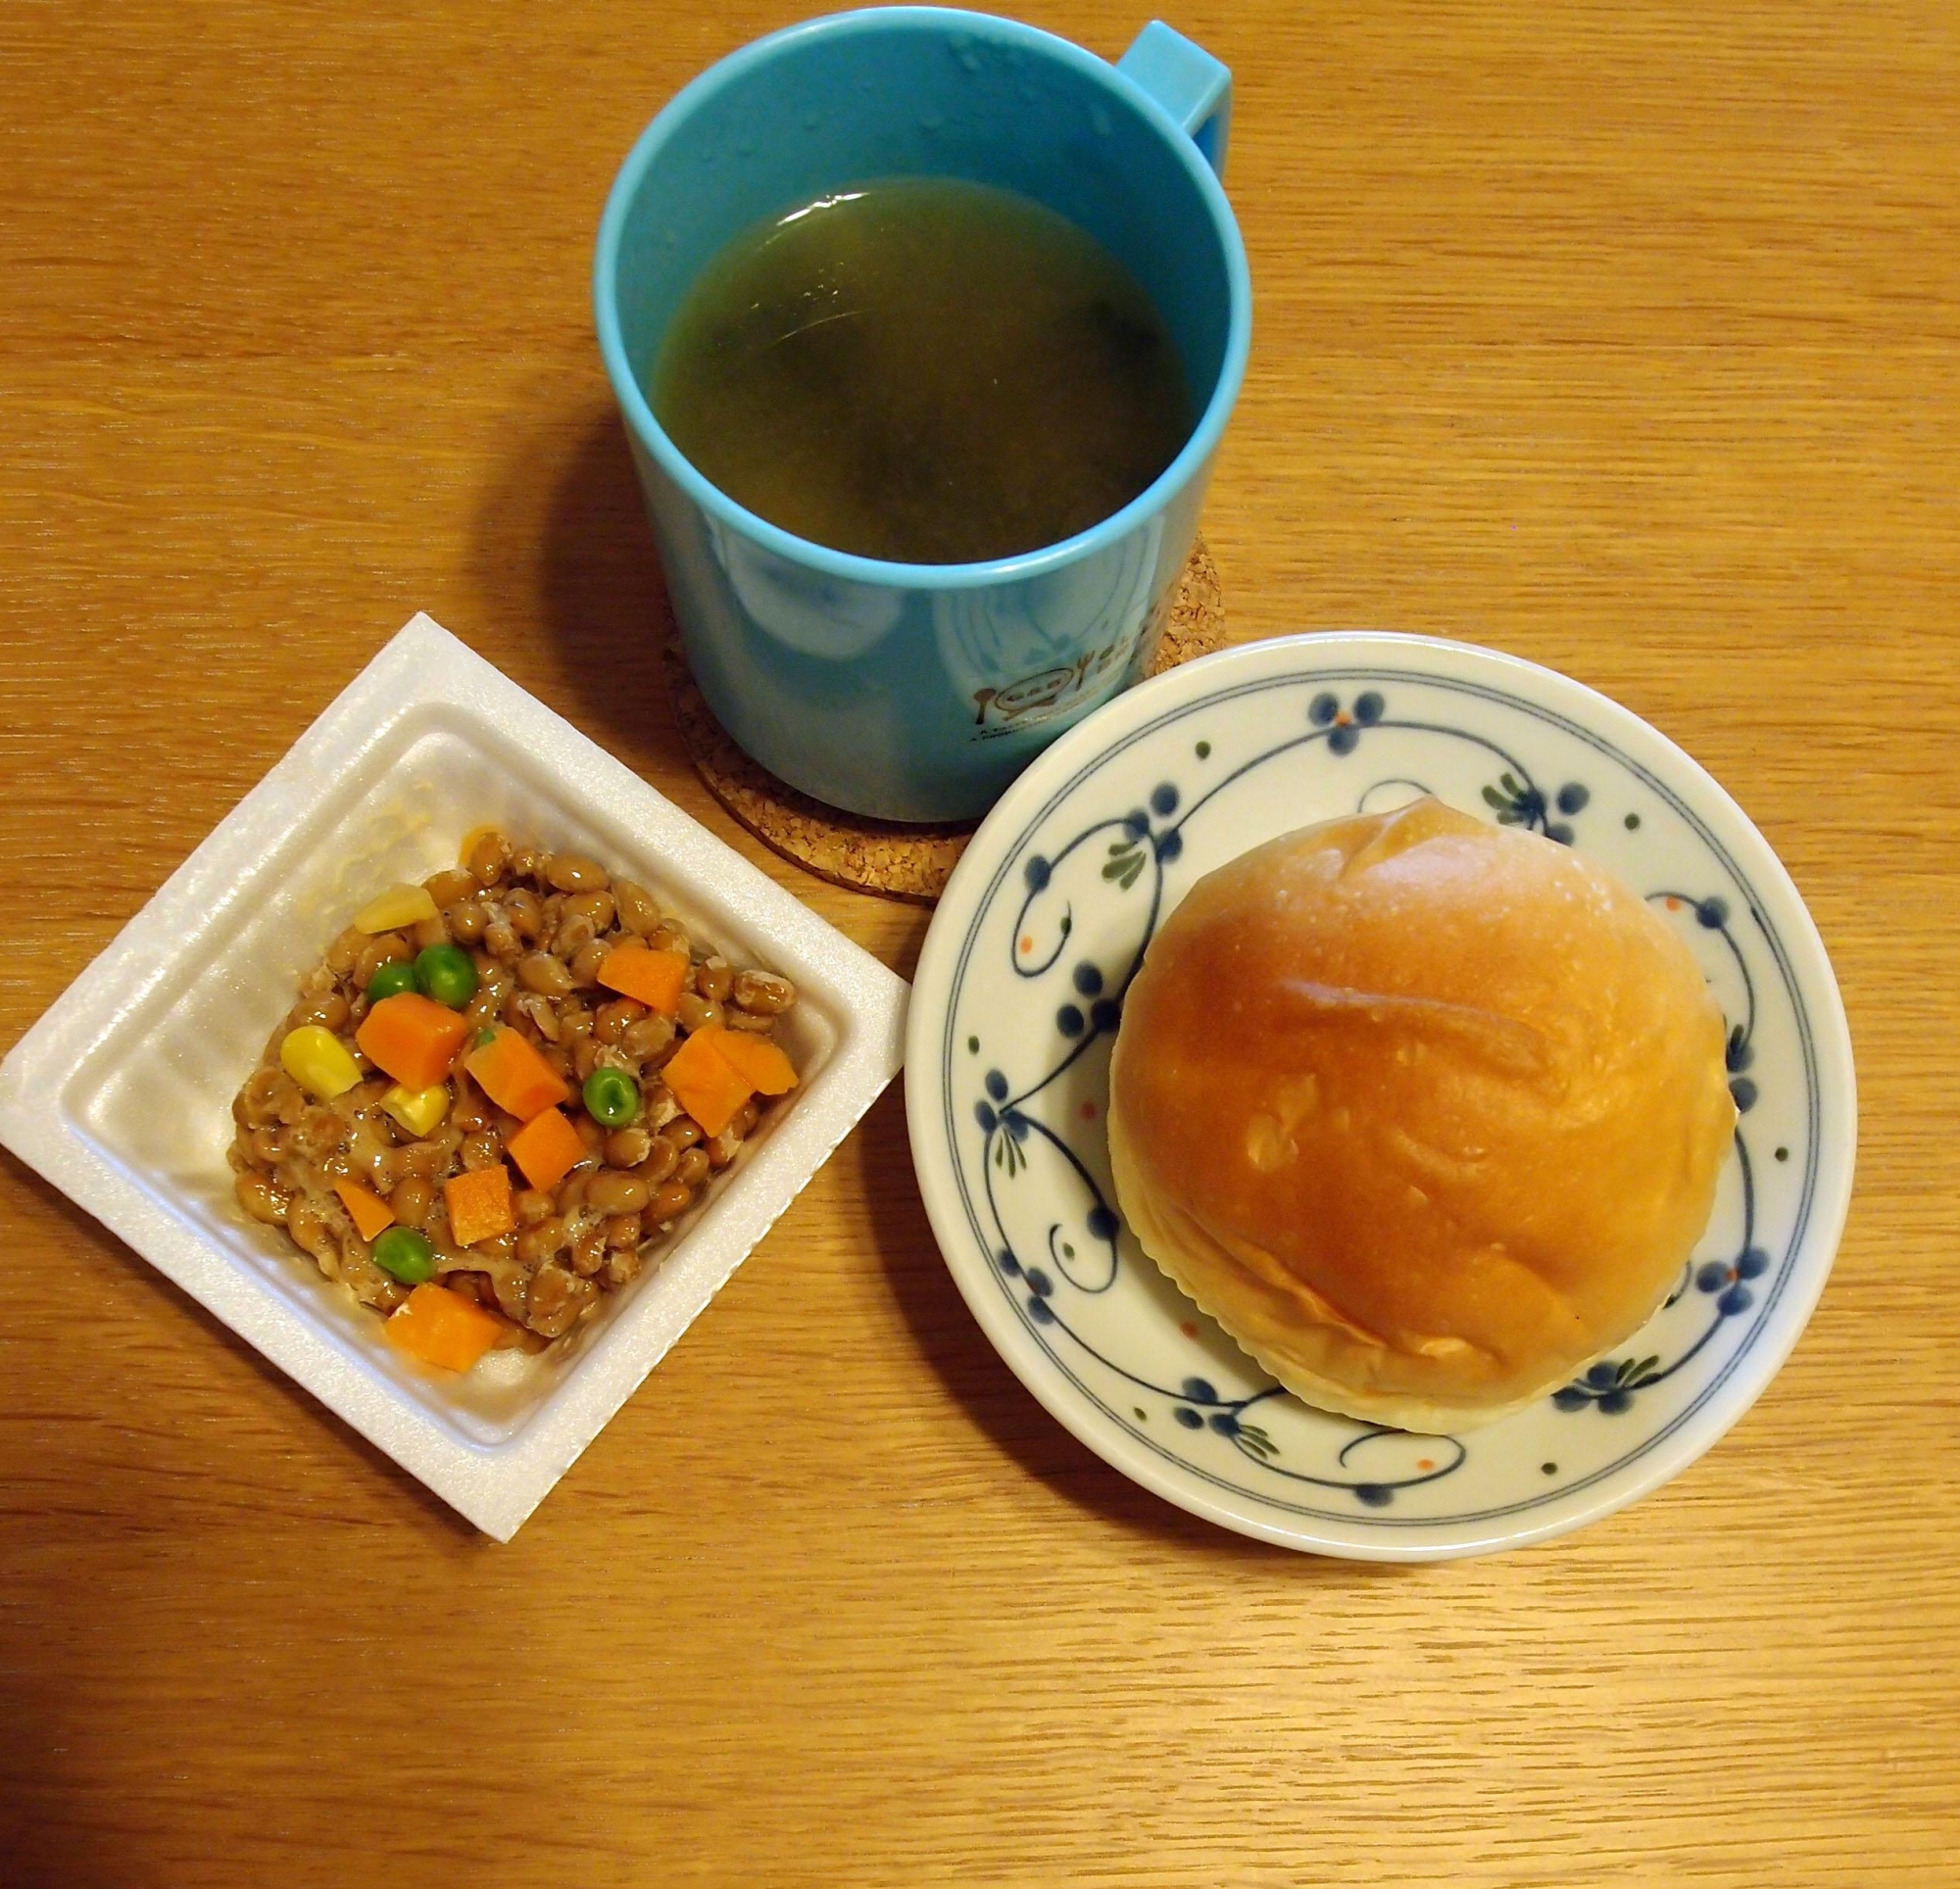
(122, 1093)
(1020, 989)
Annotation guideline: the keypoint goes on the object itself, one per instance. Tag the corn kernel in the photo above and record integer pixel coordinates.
(395, 908)
(319, 1062)
(418, 1110)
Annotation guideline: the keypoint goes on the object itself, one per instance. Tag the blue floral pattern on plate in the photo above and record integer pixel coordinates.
(1021, 994)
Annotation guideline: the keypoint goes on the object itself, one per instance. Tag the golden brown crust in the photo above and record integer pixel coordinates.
(1426, 1112)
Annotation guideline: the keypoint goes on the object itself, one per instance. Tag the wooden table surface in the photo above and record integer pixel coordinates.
(1619, 335)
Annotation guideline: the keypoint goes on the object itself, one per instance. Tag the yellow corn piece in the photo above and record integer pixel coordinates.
(418, 1110)
(397, 907)
(319, 1062)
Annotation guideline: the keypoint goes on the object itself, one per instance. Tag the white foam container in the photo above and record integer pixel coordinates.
(122, 1093)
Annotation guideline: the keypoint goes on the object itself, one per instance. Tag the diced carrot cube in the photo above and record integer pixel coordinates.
(547, 1149)
(479, 1204)
(414, 1037)
(763, 1062)
(365, 1207)
(656, 979)
(515, 1076)
(705, 1082)
(443, 1328)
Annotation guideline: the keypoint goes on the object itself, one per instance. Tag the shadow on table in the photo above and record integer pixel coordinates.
(956, 1348)
(563, 532)
(49, 1766)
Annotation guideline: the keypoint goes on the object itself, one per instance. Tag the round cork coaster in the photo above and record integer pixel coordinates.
(885, 856)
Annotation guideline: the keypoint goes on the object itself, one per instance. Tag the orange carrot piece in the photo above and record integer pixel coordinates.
(656, 979)
(366, 1208)
(768, 1071)
(705, 1082)
(479, 1204)
(515, 1076)
(547, 1149)
(414, 1037)
(443, 1328)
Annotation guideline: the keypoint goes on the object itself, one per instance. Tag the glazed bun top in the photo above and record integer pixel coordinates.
(1426, 1112)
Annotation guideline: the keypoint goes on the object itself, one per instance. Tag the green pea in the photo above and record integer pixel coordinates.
(391, 980)
(444, 973)
(404, 1255)
(612, 1097)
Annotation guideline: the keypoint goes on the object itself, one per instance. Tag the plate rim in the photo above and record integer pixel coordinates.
(1044, 784)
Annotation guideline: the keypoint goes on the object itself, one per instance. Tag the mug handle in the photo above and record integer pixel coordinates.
(1188, 83)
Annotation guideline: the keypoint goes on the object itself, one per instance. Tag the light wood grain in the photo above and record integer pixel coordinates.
(1622, 336)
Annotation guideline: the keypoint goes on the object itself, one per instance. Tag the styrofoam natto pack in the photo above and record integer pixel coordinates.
(122, 1093)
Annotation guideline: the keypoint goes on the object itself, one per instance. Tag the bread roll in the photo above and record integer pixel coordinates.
(1427, 1113)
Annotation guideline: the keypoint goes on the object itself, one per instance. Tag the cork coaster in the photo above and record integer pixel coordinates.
(885, 856)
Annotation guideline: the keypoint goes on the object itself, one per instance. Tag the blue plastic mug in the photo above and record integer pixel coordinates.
(917, 692)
